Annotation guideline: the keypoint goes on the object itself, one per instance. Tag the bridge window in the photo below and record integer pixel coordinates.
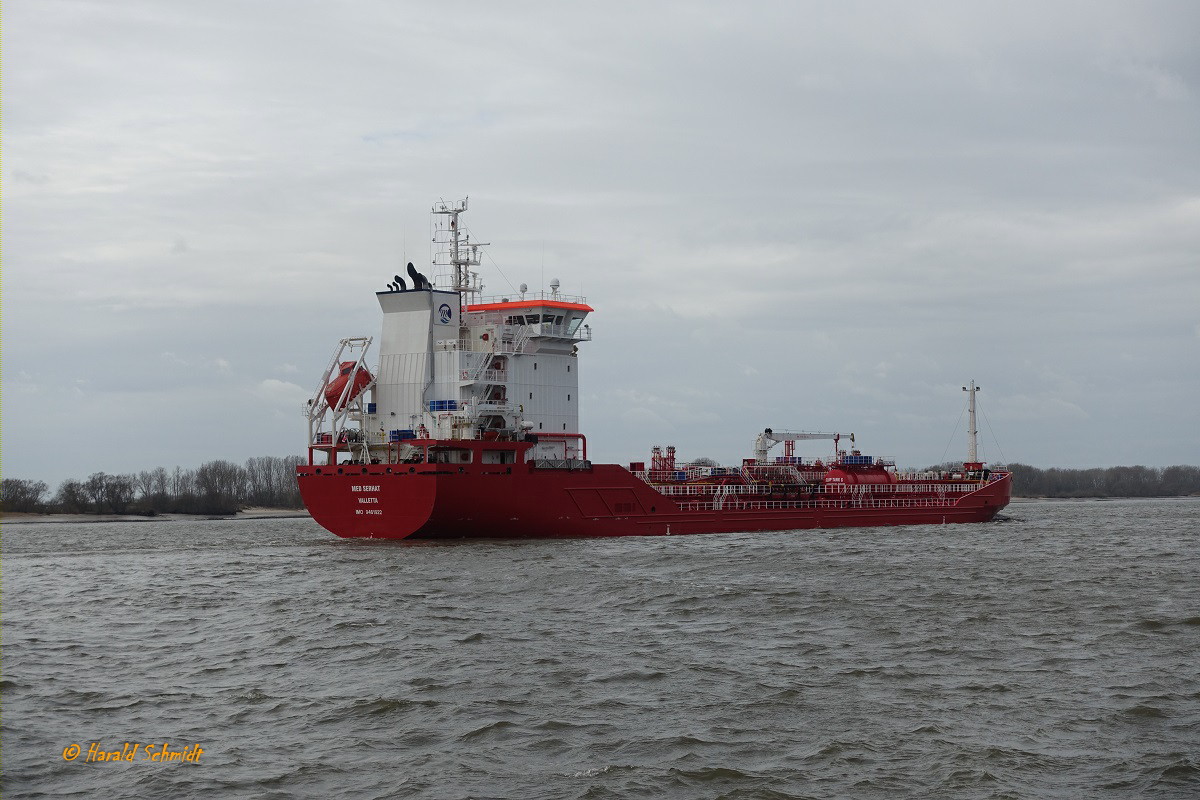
(499, 457)
(449, 455)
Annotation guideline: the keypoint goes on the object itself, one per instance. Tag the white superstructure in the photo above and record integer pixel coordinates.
(455, 365)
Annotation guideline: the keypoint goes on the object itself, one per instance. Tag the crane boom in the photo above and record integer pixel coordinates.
(769, 438)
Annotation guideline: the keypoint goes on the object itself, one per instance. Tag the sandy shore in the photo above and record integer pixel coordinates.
(249, 513)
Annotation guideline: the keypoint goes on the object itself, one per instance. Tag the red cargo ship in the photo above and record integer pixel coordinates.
(468, 427)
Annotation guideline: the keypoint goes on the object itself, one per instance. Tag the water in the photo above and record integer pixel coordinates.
(1050, 654)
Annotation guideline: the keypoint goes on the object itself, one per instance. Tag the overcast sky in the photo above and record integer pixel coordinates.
(808, 215)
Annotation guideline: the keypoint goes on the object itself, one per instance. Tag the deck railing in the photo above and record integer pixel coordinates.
(733, 504)
(826, 490)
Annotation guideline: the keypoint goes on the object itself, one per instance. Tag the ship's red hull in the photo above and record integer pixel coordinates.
(439, 501)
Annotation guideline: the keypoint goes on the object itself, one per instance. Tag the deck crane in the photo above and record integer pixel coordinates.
(769, 438)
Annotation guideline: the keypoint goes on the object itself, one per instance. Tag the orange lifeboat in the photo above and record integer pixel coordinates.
(333, 391)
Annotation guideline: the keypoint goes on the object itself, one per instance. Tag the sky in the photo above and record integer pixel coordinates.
(799, 215)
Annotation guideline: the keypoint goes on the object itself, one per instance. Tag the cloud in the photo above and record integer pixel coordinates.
(1023, 408)
(783, 214)
(279, 394)
(22, 382)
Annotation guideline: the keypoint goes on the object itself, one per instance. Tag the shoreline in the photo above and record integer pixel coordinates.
(7, 518)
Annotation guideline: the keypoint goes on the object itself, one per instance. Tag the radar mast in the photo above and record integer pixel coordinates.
(463, 254)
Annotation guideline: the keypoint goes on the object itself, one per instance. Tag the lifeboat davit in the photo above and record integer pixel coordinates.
(337, 384)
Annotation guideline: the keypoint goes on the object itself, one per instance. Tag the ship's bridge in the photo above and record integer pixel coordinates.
(551, 315)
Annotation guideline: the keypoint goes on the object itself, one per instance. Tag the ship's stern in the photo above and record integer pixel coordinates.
(367, 502)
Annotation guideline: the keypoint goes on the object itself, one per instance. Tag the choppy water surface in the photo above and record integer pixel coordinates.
(1050, 654)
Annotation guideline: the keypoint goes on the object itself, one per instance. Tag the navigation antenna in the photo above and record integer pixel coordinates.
(972, 428)
(463, 253)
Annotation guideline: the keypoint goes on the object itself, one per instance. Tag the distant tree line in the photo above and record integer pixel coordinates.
(1179, 481)
(1137, 481)
(216, 487)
